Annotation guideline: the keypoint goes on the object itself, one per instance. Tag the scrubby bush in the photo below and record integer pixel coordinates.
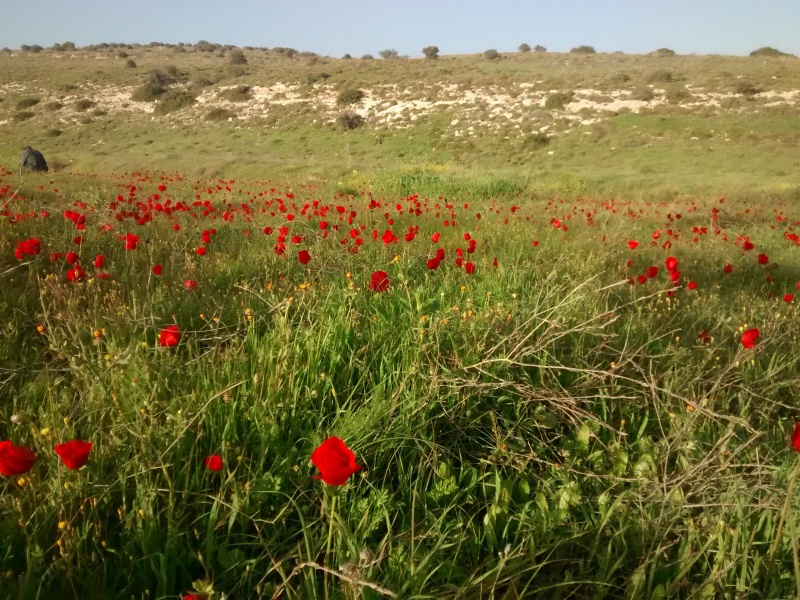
(83, 104)
(219, 114)
(237, 57)
(27, 102)
(204, 46)
(23, 115)
(619, 78)
(539, 48)
(53, 132)
(386, 54)
(644, 93)
(350, 96)
(240, 93)
(431, 52)
(148, 92)
(313, 78)
(746, 88)
(174, 100)
(583, 50)
(130, 64)
(346, 57)
(367, 57)
(677, 94)
(52, 106)
(122, 54)
(664, 52)
(347, 121)
(491, 54)
(662, 76)
(558, 100)
(536, 141)
(524, 48)
(769, 52)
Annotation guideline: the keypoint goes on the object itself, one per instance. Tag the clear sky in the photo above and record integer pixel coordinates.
(334, 27)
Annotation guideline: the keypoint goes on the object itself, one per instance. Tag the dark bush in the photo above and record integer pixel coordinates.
(83, 104)
(539, 48)
(130, 64)
(558, 100)
(237, 57)
(53, 106)
(346, 57)
(746, 88)
(431, 52)
(491, 54)
(769, 52)
(149, 92)
(23, 115)
(662, 76)
(677, 94)
(367, 57)
(122, 54)
(583, 50)
(387, 54)
(348, 121)
(53, 132)
(173, 100)
(350, 96)
(219, 114)
(664, 52)
(28, 102)
(536, 141)
(240, 93)
(313, 78)
(645, 94)
(524, 48)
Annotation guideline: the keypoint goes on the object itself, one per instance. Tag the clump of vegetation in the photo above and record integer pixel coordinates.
(237, 57)
(148, 92)
(558, 100)
(240, 93)
(644, 93)
(540, 49)
(536, 141)
(677, 94)
(388, 54)
(664, 52)
(346, 56)
(130, 64)
(83, 104)
(770, 52)
(219, 114)
(173, 101)
(313, 78)
(204, 46)
(27, 102)
(746, 88)
(52, 106)
(662, 76)
(619, 78)
(350, 96)
(583, 50)
(431, 52)
(348, 120)
(53, 132)
(491, 54)
(122, 54)
(524, 48)
(23, 115)
(367, 57)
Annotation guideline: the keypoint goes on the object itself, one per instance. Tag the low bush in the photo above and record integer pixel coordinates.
(173, 101)
(347, 121)
(350, 96)
(240, 93)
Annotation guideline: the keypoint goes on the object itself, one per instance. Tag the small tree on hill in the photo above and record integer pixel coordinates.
(524, 48)
(237, 57)
(387, 54)
(491, 54)
(431, 52)
(539, 48)
(583, 50)
(770, 52)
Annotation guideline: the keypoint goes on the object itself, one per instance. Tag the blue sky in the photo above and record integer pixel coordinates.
(456, 26)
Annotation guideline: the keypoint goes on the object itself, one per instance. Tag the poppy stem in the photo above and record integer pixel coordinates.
(331, 513)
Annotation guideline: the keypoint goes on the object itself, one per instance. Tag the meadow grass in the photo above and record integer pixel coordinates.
(537, 428)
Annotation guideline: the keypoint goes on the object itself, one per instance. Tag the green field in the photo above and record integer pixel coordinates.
(543, 414)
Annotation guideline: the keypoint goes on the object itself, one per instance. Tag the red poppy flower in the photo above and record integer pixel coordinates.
(213, 463)
(99, 261)
(304, 257)
(30, 247)
(641, 279)
(749, 338)
(72, 257)
(74, 454)
(747, 245)
(763, 259)
(728, 268)
(435, 237)
(692, 285)
(633, 244)
(788, 298)
(379, 281)
(433, 264)
(190, 284)
(157, 269)
(704, 337)
(796, 437)
(671, 263)
(469, 268)
(201, 251)
(15, 460)
(206, 237)
(131, 241)
(652, 272)
(335, 461)
(169, 337)
(76, 274)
